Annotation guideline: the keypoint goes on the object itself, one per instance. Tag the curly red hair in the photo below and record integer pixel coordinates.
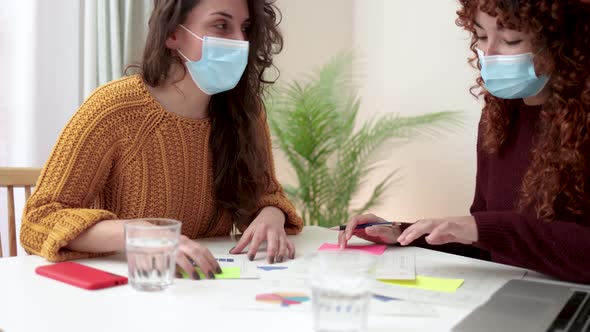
(560, 30)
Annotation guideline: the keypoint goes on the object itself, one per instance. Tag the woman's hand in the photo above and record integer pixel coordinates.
(441, 231)
(377, 234)
(268, 226)
(191, 254)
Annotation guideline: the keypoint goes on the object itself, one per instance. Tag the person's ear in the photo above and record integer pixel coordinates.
(172, 41)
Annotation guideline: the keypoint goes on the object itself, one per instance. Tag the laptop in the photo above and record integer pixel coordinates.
(526, 305)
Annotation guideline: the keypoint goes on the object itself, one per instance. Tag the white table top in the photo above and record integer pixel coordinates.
(29, 302)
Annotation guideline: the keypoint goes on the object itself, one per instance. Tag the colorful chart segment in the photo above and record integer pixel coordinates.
(283, 299)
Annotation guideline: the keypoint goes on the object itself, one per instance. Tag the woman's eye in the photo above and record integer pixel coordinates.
(221, 26)
(513, 42)
(482, 38)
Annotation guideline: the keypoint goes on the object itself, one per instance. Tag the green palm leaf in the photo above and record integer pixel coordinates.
(313, 121)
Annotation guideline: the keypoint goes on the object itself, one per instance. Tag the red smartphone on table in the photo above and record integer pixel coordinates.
(81, 275)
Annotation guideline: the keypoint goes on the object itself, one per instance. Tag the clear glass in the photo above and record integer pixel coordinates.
(340, 284)
(151, 245)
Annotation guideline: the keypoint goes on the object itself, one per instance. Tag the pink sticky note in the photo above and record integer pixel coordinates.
(373, 249)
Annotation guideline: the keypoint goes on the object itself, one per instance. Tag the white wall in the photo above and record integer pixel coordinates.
(415, 60)
(314, 32)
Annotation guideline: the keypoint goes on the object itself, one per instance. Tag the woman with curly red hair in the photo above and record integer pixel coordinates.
(532, 201)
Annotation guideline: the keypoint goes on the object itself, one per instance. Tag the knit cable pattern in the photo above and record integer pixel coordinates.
(123, 156)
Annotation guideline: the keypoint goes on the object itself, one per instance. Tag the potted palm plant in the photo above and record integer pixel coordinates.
(314, 122)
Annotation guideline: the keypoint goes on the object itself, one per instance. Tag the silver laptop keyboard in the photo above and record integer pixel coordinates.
(575, 315)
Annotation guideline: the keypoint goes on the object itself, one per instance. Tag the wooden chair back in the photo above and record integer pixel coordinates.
(11, 178)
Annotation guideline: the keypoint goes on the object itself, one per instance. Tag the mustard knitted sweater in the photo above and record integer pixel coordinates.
(123, 156)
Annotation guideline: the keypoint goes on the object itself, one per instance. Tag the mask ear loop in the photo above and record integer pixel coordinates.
(194, 35)
(182, 55)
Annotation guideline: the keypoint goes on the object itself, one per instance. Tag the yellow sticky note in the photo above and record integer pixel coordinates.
(428, 283)
(231, 272)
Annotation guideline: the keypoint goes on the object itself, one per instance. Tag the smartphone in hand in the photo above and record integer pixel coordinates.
(81, 275)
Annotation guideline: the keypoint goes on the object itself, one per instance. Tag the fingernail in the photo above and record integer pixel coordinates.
(211, 275)
(251, 257)
(271, 260)
(218, 270)
(232, 249)
(280, 259)
(196, 276)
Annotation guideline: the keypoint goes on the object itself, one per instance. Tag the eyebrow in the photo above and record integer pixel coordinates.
(224, 14)
(227, 15)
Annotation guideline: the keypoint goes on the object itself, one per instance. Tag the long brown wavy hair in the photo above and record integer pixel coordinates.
(560, 31)
(238, 139)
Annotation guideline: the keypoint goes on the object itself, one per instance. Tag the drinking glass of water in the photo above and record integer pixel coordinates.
(340, 283)
(151, 245)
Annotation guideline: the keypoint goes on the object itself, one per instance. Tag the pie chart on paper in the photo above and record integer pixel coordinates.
(283, 299)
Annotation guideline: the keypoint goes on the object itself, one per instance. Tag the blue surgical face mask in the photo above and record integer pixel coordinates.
(222, 63)
(511, 76)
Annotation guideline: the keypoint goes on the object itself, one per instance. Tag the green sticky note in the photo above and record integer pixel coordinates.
(231, 272)
(428, 283)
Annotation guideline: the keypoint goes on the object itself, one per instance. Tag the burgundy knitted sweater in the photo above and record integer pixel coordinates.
(560, 248)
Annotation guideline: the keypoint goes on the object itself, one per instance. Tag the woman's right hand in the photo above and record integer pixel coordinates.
(191, 254)
(377, 234)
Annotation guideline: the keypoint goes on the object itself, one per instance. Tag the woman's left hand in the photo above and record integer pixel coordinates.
(441, 231)
(268, 226)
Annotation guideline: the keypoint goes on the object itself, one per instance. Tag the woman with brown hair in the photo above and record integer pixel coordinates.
(185, 139)
(532, 201)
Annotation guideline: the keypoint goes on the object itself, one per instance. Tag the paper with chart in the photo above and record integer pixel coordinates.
(298, 300)
(391, 265)
(232, 267)
(396, 266)
(293, 275)
(479, 283)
